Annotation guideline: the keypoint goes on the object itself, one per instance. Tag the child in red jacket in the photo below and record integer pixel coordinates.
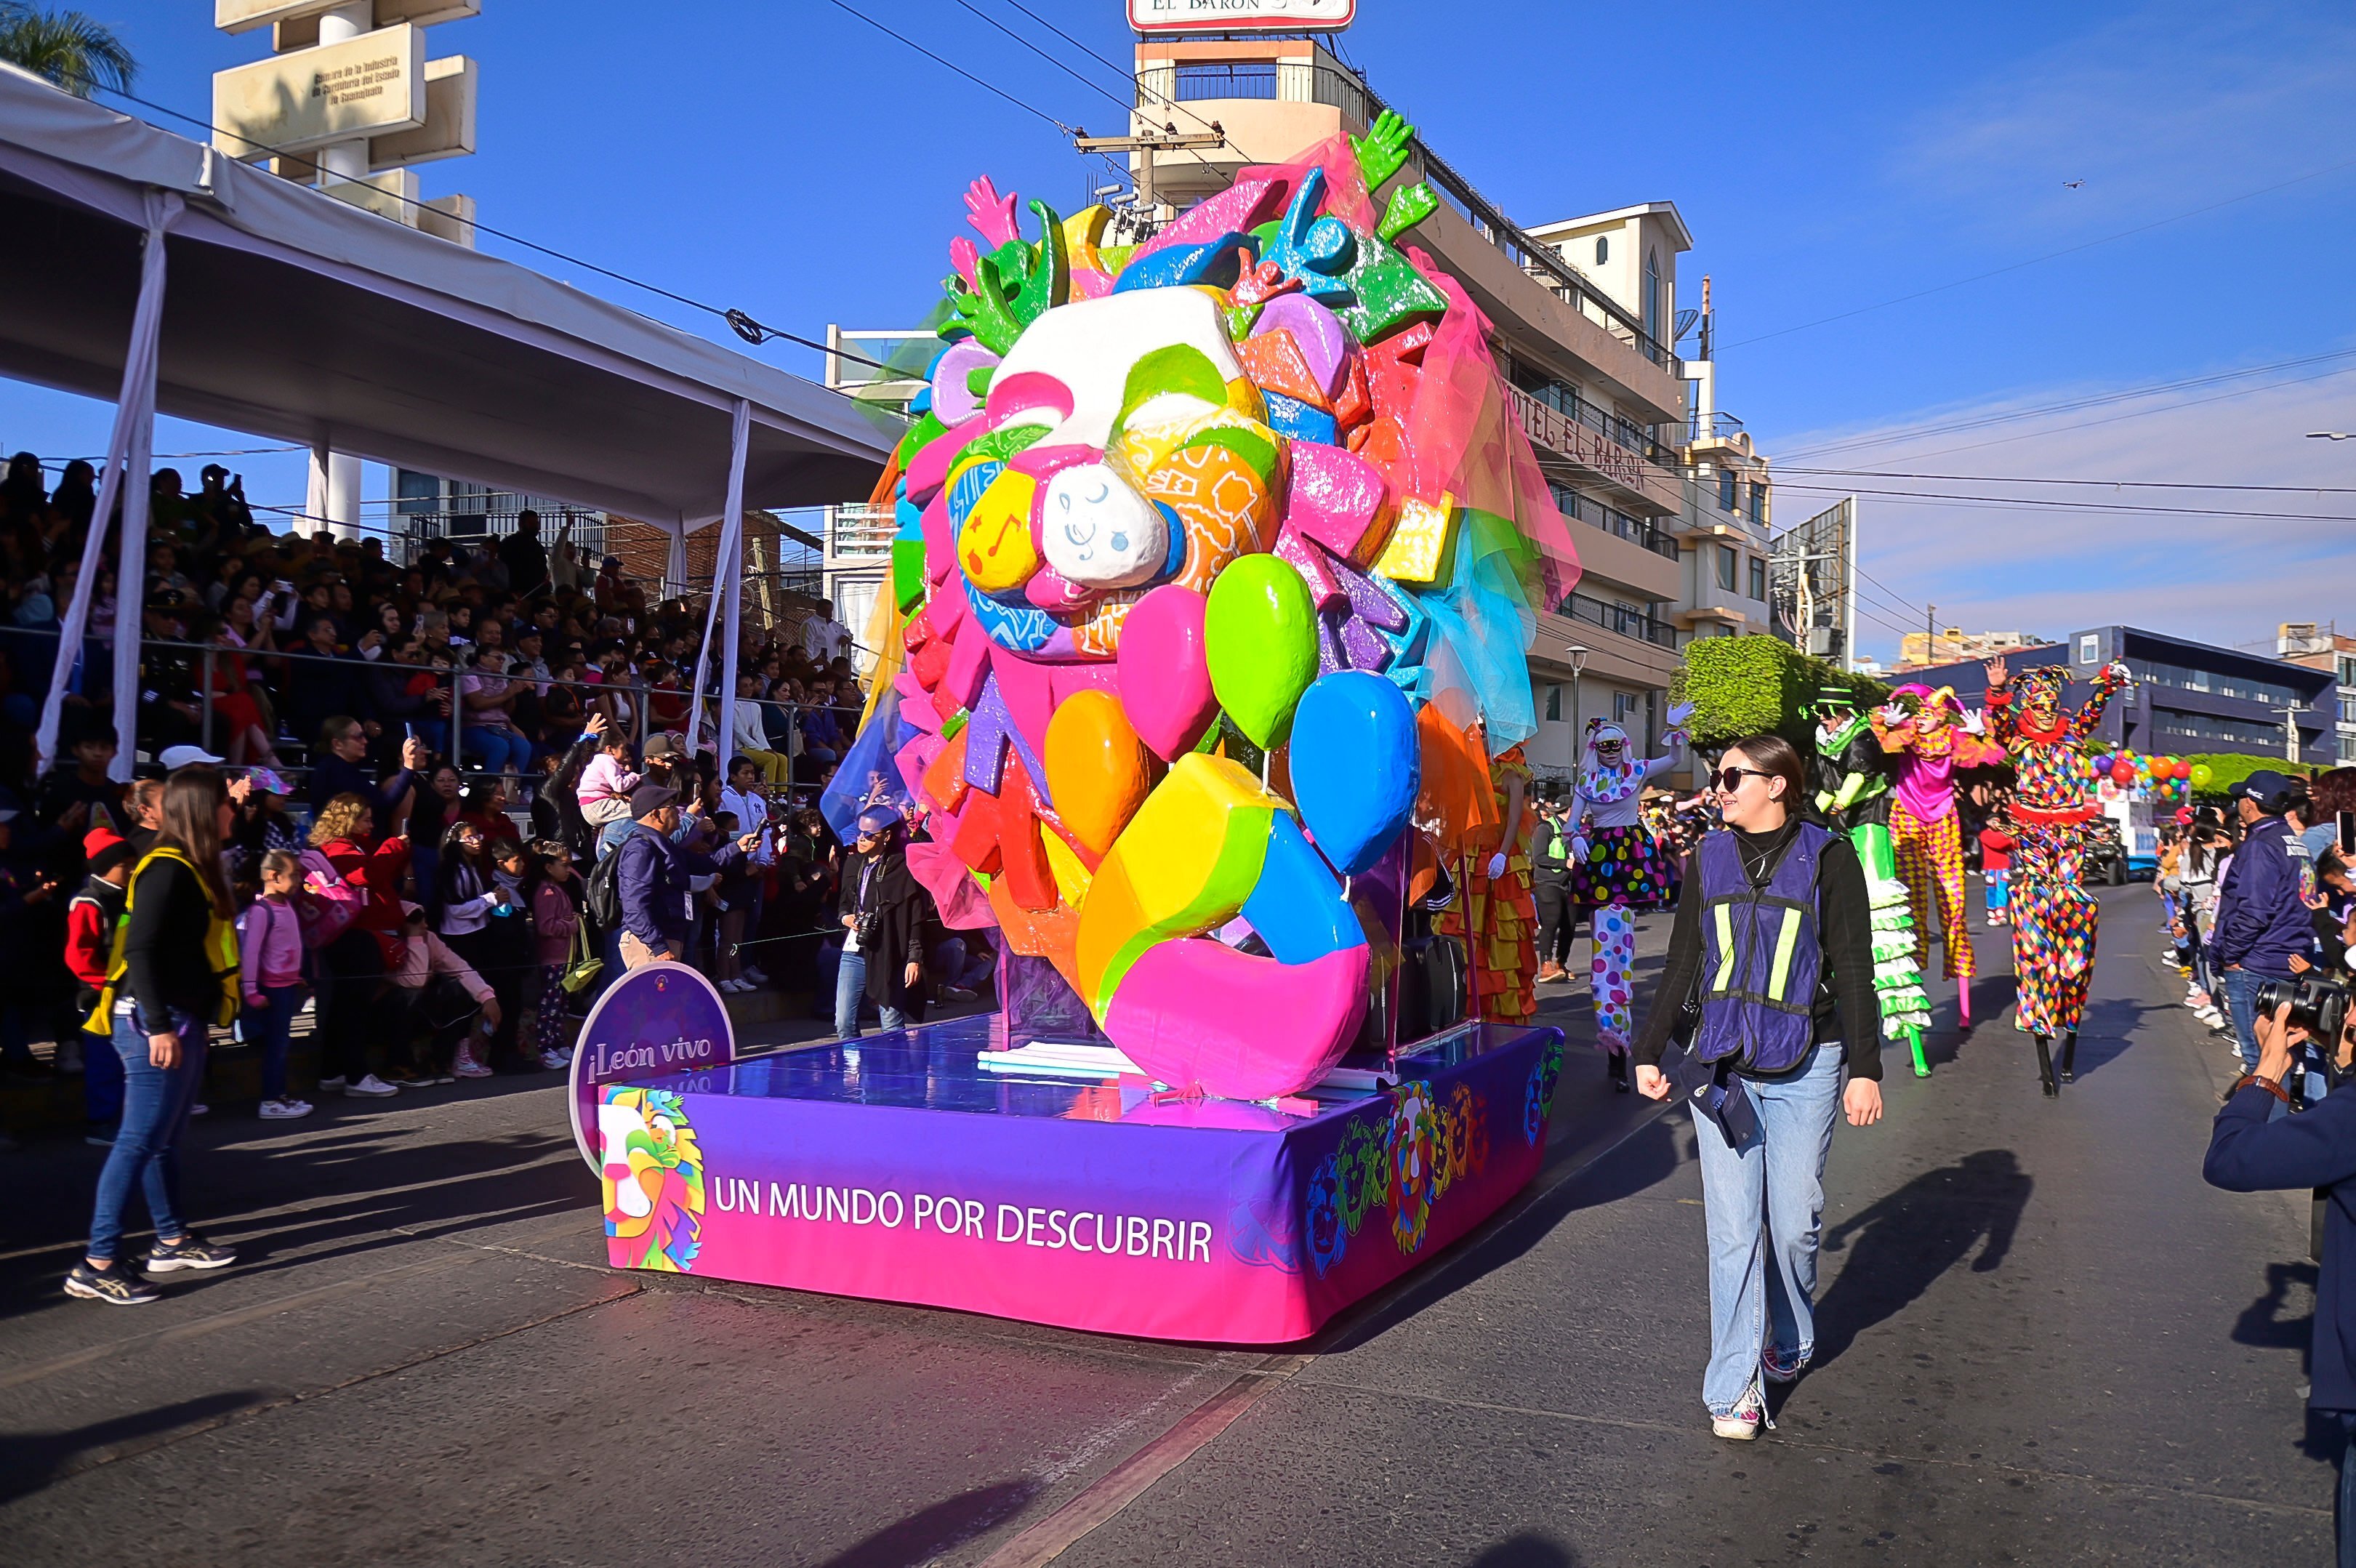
(90, 920)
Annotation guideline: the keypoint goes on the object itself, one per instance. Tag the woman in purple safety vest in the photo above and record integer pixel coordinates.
(1770, 963)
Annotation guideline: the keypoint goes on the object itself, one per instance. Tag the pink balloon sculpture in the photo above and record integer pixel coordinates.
(1165, 671)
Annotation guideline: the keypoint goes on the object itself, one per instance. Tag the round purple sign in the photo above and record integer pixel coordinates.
(661, 1019)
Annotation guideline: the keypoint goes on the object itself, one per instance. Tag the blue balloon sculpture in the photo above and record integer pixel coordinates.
(1354, 766)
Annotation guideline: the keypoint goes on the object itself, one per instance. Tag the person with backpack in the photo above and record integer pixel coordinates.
(1770, 963)
(172, 977)
(90, 922)
(270, 962)
(352, 922)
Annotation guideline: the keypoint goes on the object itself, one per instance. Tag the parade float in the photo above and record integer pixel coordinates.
(1215, 563)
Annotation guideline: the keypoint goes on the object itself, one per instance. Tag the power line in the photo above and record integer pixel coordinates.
(2134, 413)
(2050, 256)
(1909, 432)
(2039, 503)
(2107, 484)
(990, 87)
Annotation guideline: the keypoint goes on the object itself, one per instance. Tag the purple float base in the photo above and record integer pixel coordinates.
(896, 1168)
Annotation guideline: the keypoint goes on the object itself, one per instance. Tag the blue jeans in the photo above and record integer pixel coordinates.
(2241, 1006)
(1763, 1203)
(272, 1028)
(147, 1152)
(850, 991)
(502, 750)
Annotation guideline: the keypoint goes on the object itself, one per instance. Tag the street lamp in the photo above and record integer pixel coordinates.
(1578, 657)
(2331, 435)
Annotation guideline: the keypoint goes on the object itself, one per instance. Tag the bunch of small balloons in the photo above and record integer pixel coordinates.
(2169, 779)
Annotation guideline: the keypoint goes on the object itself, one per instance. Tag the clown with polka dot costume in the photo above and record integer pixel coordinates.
(1615, 867)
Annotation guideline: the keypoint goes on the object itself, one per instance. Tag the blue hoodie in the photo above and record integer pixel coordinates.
(2262, 913)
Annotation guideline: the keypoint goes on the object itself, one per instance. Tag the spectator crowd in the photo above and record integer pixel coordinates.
(460, 793)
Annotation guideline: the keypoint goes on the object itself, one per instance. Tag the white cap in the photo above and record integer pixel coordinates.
(176, 757)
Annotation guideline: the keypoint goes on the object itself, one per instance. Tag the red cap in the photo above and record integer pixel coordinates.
(98, 839)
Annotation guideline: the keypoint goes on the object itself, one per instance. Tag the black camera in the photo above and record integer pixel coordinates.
(2318, 1006)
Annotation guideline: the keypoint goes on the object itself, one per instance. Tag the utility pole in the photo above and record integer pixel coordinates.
(1930, 634)
(1151, 144)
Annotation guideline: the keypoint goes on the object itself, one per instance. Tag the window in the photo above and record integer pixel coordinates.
(1726, 490)
(2348, 748)
(1653, 294)
(2348, 710)
(1758, 576)
(1603, 250)
(2348, 672)
(2090, 648)
(1622, 706)
(1726, 559)
(1554, 703)
(1758, 502)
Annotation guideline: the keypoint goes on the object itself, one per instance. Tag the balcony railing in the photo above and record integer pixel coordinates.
(1717, 428)
(1567, 402)
(1612, 521)
(1621, 618)
(1162, 88)
(859, 533)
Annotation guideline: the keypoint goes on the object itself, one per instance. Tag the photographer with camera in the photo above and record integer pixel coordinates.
(2263, 928)
(2254, 1148)
(882, 911)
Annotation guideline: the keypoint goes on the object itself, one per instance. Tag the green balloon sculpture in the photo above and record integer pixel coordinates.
(1261, 633)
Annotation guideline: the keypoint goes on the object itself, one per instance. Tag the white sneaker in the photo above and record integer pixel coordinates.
(284, 1110)
(465, 1066)
(332, 1085)
(553, 1060)
(736, 987)
(200, 1109)
(371, 1087)
(755, 976)
(1741, 1424)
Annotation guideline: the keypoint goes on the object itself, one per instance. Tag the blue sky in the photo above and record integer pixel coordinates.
(788, 159)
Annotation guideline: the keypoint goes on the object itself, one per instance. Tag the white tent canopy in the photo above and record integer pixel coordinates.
(143, 266)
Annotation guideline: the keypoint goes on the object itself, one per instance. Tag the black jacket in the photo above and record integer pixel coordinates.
(163, 944)
(892, 907)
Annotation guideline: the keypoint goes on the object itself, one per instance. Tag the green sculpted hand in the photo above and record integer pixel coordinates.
(1382, 151)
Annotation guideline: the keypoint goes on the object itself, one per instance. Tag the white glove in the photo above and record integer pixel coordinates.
(1679, 714)
(1496, 865)
(2119, 671)
(1973, 721)
(1578, 851)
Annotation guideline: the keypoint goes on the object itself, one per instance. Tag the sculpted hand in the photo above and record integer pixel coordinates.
(1382, 151)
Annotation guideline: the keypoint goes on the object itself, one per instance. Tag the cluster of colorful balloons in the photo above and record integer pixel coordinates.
(2169, 779)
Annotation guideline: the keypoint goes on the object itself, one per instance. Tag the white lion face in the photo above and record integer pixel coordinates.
(1096, 531)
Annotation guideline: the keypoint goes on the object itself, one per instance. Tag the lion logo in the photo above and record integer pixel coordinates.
(653, 1172)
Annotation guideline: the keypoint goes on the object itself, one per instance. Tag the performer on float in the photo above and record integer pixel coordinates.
(1852, 794)
(1927, 743)
(1615, 866)
(1503, 909)
(2053, 916)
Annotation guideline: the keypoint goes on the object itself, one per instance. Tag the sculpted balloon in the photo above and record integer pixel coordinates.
(1165, 672)
(1097, 768)
(1261, 634)
(1354, 765)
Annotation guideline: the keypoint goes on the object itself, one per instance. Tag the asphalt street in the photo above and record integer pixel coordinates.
(2043, 1339)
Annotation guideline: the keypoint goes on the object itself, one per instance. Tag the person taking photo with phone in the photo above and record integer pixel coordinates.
(1771, 962)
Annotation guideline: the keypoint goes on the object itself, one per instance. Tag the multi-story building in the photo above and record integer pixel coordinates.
(2323, 647)
(1918, 650)
(1583, 313)
(2188, 697)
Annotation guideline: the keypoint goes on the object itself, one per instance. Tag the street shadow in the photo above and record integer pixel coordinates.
(366, 1188)
(925, 1534)
(1647, 1156)
(1527, 1550)
(1902, 1244)
(2108, 1029)
(2262, 1323)
(31, 1460)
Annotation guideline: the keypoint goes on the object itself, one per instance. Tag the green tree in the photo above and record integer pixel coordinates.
(1750, 685)
(73, 50)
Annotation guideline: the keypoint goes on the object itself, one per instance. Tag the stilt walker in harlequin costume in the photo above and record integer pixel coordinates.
(1926, 742)
(1616, 867)
(2053, 916)
(1852, 794)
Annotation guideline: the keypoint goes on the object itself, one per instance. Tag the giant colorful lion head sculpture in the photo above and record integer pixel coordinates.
(1214, 571)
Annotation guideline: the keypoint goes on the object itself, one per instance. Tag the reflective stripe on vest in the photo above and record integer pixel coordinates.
(1725, 946)
(1785, 941)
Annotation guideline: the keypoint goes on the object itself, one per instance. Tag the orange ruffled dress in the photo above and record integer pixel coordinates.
(1505, 955)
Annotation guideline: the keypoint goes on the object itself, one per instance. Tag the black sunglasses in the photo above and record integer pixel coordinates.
(1729, 779)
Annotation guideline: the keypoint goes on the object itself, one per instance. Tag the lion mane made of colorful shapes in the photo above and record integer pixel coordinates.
(1215, 563)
